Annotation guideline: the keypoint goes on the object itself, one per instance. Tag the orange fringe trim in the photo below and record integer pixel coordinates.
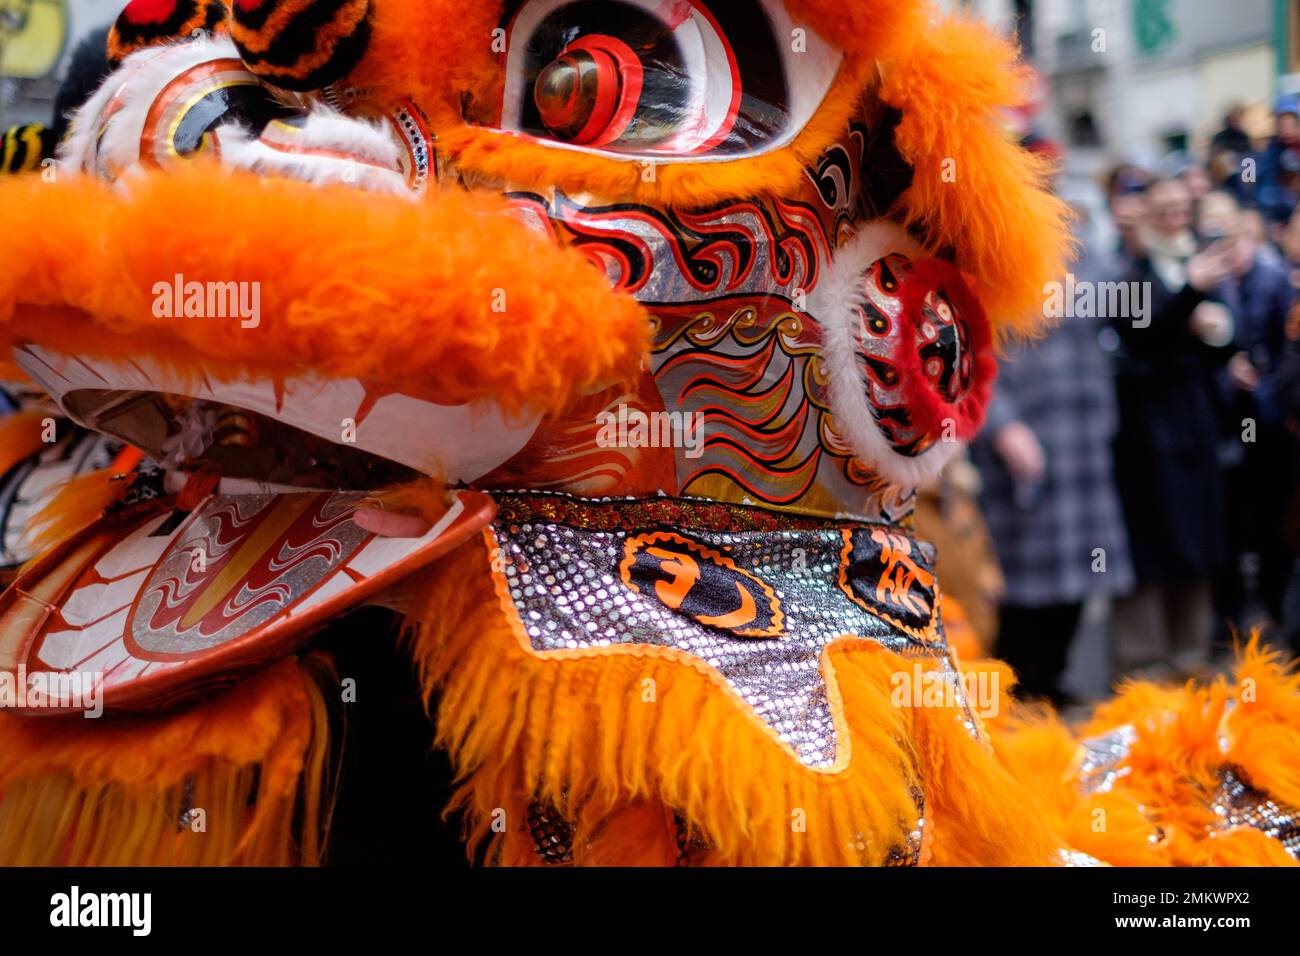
(73, 505)
(622, 741)
(974, 190)
(425, 498)
(1158, 813)
(111, 792)
(448, 298)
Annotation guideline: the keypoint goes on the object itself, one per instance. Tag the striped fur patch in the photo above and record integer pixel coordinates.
(23, 147)
(149, 22)
(300, 44)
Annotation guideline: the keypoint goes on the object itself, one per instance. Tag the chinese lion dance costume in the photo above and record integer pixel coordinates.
(606, 341)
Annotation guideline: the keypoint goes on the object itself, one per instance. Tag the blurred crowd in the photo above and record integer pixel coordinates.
(1146, 449)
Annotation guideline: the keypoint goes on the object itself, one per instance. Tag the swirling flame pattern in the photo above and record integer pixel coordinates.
(238, 565)
(726, 288)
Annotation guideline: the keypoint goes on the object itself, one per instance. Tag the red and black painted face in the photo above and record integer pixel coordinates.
(922, 343)
(680, 78)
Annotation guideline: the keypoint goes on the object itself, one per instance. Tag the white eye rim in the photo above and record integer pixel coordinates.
(808, 87)
(833, 304)
(713, 105)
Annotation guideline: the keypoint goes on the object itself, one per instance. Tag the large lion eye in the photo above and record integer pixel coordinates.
(662, 77)
(589, 94)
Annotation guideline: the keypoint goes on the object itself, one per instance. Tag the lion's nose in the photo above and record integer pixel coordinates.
(925, 351)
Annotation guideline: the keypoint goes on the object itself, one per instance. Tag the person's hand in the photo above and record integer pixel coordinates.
(1128, 213)
(1243, 373)
(1019, 448)
(1212, 323)
(1210, 266)
(1242, 255)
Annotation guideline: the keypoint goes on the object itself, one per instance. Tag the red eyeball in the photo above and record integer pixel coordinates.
(589, 94)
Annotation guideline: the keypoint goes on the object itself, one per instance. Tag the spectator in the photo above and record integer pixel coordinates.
(1126, 197)
(1278, 170)
(1197, 181)
(1232, 138)
(1256, 230)
(1260, 467)
(1165, 449)
(1225, 171)
(1291, 250)
(1181, 166)
(1288, 398)
(1048, 492)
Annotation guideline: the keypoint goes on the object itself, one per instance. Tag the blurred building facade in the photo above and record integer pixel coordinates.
(36, 39)
(1136, 79)
(1123, 78)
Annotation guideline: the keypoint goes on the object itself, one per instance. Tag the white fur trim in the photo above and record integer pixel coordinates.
(832, 303)
(326, 128)
(375, 167)
(111, 147)
(136, 84)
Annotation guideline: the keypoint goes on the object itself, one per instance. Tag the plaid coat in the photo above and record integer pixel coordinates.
(1047, 536)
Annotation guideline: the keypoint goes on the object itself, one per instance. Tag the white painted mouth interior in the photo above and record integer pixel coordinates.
(142, 402)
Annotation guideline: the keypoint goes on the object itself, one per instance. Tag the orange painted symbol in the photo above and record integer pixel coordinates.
(901, 574)
(701, 582)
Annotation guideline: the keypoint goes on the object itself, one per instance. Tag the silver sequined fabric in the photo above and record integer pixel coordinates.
(1238, 804)
(1076, 858)
(565, 584)
(1102, 756)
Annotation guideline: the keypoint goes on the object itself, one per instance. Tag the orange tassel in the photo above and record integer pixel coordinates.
(624, 742)
(1158, 811)
(73, 505)
(241, 779)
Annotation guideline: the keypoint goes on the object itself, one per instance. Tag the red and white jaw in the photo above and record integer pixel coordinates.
(154, 607)
(165, 598)
(301, 432)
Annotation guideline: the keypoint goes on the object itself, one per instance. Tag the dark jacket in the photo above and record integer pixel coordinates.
(1260, 302)
(1165, 449)
(1051, 539)
(1273, 193)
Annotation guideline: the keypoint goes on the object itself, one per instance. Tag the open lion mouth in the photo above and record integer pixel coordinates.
(159, 601)
(470, 329)
(233, 442)
(296, 433)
